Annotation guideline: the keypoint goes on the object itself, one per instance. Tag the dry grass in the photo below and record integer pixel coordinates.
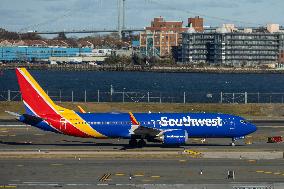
(246, 110)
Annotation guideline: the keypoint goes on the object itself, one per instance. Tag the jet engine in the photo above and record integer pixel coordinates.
(175, 137)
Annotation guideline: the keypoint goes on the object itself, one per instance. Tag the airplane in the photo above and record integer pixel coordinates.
(165, 128)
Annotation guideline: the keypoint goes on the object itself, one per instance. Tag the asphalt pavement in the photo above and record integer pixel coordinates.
(178, 171)
(82, 172)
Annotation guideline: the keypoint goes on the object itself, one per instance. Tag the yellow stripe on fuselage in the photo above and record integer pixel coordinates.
(73, 118)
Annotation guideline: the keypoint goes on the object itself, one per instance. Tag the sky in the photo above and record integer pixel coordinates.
(54, 15)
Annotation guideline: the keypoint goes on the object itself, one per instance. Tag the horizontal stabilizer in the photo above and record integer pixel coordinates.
(14, 114)
(30, 119)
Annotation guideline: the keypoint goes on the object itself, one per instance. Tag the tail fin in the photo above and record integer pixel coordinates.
(36, 101)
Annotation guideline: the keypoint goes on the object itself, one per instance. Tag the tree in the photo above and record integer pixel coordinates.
(4, 34)
(30, 36)
(61, 36)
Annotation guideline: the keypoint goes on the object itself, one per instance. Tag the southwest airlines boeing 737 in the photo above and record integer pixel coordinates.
(167, 128)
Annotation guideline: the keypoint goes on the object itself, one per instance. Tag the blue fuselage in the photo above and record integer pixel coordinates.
(199, 125)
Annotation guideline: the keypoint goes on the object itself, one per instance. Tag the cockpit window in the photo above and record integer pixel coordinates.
(244, 121)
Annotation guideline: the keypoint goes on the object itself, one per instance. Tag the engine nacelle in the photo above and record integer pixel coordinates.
(175, 137)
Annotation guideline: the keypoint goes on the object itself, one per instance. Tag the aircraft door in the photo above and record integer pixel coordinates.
(63, 123)
(232, 125)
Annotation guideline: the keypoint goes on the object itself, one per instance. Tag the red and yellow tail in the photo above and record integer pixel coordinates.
(38, 103)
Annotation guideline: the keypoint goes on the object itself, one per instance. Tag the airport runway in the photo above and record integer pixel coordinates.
(94, 172)
(175, 171)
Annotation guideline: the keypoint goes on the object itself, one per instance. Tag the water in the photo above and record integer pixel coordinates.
(156, 83)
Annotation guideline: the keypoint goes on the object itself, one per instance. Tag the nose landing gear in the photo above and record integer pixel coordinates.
(235, 139)
(233, 142)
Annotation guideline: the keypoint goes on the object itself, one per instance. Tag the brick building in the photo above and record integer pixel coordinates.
(196, 23)
(159, 38)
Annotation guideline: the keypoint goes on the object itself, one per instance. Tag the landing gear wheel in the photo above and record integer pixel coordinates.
(133, 142)
(233, 142)
(141, 143)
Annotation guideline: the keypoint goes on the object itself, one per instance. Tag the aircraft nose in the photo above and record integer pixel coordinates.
(253, 128)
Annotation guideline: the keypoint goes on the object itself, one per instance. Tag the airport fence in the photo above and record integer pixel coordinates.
(152, 97)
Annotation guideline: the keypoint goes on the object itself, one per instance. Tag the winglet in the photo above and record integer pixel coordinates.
(81, 109)
(133, 119)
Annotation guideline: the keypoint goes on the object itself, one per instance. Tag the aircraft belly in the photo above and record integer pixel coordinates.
(44, 126)
(207, 132)
(112, 131)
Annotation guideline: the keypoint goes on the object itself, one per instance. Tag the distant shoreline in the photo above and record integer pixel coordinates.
(158, 69)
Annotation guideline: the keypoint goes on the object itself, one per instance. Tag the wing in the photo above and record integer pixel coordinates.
(146, 131)
(138, 129)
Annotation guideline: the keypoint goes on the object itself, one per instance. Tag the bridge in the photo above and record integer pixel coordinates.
(121, 28)
(126, 30)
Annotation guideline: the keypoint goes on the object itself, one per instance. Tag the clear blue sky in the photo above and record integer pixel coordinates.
(87, 14)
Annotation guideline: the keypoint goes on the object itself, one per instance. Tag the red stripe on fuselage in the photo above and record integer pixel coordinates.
(41, 108)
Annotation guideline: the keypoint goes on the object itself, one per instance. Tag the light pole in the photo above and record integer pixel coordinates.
(123, 95)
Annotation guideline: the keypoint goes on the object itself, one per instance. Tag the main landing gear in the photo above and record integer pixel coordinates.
(141, 143)
(134, 143)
